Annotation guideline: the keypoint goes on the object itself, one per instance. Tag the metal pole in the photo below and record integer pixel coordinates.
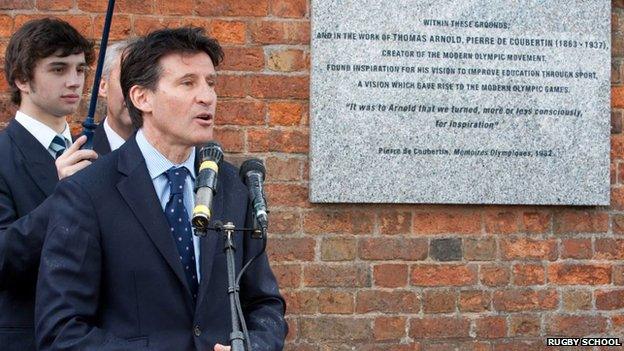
(89, 123)
(236, 337)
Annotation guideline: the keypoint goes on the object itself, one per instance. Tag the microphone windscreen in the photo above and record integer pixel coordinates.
(250, 165)
(212, 151)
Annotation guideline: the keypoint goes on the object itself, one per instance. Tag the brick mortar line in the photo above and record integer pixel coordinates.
(254, 74)
(266, 71)
(460, 315)
(77, 10)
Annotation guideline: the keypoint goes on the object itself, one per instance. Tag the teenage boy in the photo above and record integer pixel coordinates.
(45, 65)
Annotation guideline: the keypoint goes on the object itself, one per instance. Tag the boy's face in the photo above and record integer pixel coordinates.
(56, 87)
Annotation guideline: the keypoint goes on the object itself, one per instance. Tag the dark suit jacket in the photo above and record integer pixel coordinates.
(100, 140)
(110, 276)
(27, 176)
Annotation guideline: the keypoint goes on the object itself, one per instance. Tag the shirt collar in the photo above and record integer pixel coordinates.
(114, 140)
(157, 163)
(40, 131)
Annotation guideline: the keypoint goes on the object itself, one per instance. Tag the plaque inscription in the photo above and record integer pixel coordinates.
(483, 102)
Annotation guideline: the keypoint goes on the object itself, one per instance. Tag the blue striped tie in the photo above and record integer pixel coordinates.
(180, 225)
(58, 146)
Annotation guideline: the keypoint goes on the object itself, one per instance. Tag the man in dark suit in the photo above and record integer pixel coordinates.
(120, 268)
(45, 65)
(116, 127)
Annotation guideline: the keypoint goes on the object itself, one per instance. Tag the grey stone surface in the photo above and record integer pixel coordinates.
(446, 249)
(460, 101)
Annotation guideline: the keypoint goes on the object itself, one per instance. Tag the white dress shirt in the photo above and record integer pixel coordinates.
(114, 140)
(42, 132)
(157, 165)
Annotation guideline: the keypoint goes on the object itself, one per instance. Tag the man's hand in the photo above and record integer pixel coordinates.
(74, 159)
(219, 347)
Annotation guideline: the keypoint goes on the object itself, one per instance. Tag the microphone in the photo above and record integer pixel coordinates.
(210, 157)
(252, 173)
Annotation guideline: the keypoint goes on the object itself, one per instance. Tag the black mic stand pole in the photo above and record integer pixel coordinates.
(237, 337)
(239, 340)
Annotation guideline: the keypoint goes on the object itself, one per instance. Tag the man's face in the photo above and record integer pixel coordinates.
(56, 87)
(110, 88)
(183, 104)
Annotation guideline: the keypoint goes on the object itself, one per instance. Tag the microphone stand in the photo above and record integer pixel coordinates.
(237, 337)
(239, 340)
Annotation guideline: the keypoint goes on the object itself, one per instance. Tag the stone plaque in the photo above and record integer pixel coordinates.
(473, 102)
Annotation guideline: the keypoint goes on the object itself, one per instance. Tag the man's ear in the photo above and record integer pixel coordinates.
(23, 86)
(141, 98)
(103, 89)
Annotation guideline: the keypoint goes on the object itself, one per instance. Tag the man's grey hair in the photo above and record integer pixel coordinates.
(112, 54)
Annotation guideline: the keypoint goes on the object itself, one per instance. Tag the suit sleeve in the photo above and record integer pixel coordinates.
(262, 304)
(20, 241)
(68, 286)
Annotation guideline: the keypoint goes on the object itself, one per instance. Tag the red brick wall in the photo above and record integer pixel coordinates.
(373, 277)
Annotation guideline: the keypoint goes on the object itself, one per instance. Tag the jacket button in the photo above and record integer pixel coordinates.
(197, 331)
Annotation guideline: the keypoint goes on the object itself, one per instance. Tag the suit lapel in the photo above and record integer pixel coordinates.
(209, 247)
(38, 162)
(138, 191)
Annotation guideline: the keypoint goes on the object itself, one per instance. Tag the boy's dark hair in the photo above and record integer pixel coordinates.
(38, 39)
(140, 62)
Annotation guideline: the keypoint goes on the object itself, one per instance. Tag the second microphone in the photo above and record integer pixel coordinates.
(210, 157)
